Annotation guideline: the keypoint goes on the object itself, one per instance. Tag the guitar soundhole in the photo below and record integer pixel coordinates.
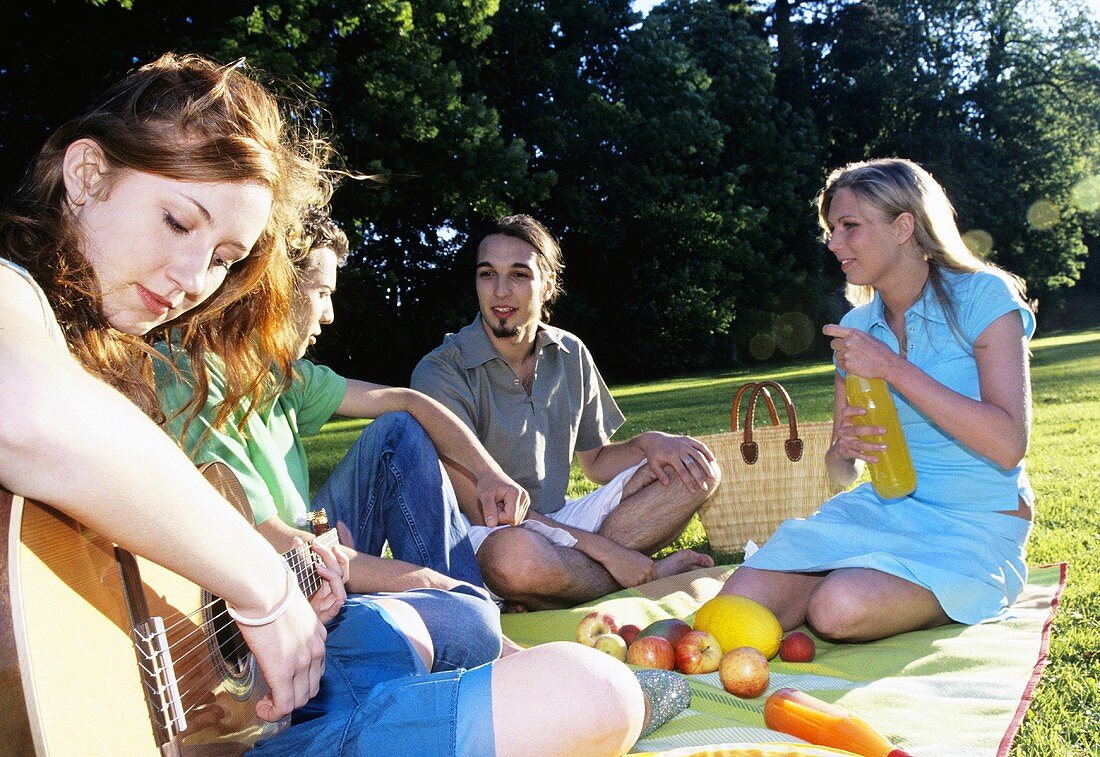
(228, 649)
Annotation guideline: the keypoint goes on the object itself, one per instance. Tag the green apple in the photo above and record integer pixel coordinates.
(611, 644)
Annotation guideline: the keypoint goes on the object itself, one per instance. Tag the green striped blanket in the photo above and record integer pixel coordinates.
(955, 690)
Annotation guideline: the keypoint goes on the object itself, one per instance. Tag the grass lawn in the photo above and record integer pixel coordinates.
(1063, 462)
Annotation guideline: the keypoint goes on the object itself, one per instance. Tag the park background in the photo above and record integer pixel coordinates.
(676, 154)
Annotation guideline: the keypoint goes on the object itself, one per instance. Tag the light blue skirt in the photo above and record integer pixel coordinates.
(973, 562)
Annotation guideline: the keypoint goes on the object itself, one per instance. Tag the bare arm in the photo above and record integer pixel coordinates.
(501, 499)
(660, 450)
(69, 440)
(998, 425)
(366, 573)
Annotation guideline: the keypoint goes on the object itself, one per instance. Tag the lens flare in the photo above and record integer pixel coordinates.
(762, 346)
(794, 333)
(1085, 194)
(979, 241)
(1043, 214)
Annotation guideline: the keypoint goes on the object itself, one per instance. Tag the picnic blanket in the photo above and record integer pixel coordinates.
(954, 690)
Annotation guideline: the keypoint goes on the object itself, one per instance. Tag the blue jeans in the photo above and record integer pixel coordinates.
(376, 699)
(391, 487)
(463, 623)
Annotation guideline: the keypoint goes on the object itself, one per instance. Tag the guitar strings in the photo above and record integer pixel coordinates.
(301, 560)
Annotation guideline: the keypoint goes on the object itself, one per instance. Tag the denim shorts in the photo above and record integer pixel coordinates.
(376, 699)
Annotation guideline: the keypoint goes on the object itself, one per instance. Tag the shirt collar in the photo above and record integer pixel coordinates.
(927, 306)
(477, 349)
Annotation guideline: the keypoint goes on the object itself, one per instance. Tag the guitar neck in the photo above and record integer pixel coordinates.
(303, 562)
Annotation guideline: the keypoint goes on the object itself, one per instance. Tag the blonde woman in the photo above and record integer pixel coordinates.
(948, 332)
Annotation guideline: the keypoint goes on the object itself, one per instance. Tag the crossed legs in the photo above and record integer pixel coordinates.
(524, 567)
(651, 515)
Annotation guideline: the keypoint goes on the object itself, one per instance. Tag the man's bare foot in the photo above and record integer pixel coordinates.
(681, 562)
(509, 647)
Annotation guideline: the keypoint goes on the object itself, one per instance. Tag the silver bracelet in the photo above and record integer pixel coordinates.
(278, 612)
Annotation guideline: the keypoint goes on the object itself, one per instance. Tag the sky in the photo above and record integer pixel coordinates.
(644, 6)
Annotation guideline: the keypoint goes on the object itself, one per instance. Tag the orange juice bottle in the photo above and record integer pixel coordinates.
(893, 475)
(796, 713)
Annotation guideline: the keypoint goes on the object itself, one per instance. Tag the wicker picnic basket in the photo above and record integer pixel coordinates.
(769, 474)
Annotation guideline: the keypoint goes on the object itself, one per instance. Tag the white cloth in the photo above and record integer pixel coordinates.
(586, 513)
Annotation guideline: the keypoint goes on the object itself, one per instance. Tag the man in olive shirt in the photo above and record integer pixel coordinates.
(533, 396)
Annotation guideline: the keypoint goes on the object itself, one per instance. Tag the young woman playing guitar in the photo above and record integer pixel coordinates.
(172, 203)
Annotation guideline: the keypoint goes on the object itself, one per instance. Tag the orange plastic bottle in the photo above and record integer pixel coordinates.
(796, 713)
(893, 475)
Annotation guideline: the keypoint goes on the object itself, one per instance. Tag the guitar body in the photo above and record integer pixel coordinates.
(105, 653)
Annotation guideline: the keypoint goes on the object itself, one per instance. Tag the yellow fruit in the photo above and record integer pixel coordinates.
(740, 622)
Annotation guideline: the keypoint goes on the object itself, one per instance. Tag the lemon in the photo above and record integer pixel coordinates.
(740, 622)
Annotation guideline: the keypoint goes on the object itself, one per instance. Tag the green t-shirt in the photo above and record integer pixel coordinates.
(268, 457)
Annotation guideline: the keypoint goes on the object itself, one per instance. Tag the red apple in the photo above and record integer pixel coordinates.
(744, 672)
(672, 629)
(698, 652)
(652, 652)
(611, 644)
(629, 632)
(594, 624)
(797, 647)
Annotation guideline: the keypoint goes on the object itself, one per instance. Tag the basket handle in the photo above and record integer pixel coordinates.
(735, 408)
(750, 451)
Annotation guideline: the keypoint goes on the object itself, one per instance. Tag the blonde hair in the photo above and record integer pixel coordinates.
(185, 118)
(895, 186)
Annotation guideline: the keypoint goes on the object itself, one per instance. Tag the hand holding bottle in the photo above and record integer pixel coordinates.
(862, 354)
(854, 440)
(881, 441)
(892, 474)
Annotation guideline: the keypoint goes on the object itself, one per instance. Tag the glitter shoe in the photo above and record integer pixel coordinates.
(669, 695)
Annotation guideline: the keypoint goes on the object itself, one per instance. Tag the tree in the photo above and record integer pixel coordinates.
(650, 132)
(981, 95)
(394, 74)
(765, 116)
(57, 55)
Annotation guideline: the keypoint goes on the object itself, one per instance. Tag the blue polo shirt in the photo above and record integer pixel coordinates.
(949, 474)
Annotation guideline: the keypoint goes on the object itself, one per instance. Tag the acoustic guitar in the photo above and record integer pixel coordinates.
(104, 652)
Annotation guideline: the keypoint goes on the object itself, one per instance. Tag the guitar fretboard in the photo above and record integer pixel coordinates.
(303, 562)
